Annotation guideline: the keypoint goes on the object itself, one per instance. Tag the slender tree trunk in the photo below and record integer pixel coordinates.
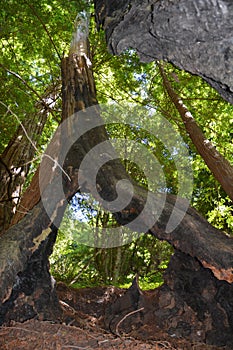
(117, 263)
(218, 165)
(14, 166)
(16, 159)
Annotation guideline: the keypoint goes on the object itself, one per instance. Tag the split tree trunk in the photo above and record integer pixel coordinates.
(27, 289)
(203, 255)
(206, 258)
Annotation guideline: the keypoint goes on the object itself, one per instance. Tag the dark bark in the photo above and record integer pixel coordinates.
(191, 304)
(193, 35)
(26, 247)
(33, 293)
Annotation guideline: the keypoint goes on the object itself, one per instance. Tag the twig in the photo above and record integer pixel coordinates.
(25, 83)
(165, 344)
(75, 347)
(129, 314)
(21, 124)
(20, 329)
(57, 165)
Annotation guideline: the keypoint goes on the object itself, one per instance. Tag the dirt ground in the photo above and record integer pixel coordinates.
(82, 327)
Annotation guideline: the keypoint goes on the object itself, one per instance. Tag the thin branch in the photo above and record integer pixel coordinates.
(28, 86)
(32, 143)
(57, 165)
(23, 81)
(85, 267)
(129, 314)
(45, 28)
(21, 124)
(75, 347)
(20, 329)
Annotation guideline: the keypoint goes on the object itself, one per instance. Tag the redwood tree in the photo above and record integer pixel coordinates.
(196, 298)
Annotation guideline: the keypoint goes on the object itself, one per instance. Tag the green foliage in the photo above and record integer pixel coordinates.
(76, 263)
(215, 117)
(124, 79)
(80, 265)
(34, 37)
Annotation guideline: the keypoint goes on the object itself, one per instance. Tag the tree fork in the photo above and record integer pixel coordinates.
(26, 240)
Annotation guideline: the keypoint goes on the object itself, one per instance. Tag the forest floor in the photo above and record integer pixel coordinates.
(84, 328)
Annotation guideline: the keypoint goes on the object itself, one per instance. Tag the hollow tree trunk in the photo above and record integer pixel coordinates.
(27, 289)
(27, 245)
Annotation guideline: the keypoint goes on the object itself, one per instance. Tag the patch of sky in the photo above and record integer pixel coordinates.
(82, 207)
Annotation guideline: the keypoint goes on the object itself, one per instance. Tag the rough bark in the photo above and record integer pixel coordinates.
(26, 285)
(193, 35)
(190, 304)
(42, 177)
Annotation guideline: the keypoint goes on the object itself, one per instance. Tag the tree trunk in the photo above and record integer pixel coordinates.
(25, 244)
(14, 166)
(27, 289)
(16, 159)
(191, 304)
(218, 165)
(193, 35)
